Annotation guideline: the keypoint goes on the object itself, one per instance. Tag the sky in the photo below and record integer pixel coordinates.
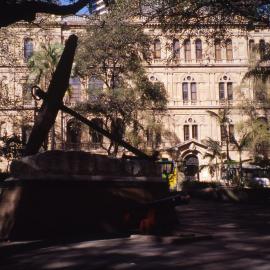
(66, 2)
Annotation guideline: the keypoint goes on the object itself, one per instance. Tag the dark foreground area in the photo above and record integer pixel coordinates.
(210, 236)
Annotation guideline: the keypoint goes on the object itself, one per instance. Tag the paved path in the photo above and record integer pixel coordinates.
(240, 239)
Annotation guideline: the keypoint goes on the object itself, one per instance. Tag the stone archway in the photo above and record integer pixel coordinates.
(191, 167)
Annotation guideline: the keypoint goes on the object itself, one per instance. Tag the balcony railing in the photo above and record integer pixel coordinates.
(203, 62)
(190, 103)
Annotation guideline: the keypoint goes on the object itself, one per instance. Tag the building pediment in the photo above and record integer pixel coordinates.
(186, 148)
(191, 145)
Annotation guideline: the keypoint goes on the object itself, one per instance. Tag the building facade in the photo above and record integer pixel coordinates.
(199, 76)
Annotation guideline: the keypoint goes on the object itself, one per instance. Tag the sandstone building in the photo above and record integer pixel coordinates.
(199, 76)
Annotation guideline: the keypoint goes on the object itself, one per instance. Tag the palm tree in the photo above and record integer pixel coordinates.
(215, 156)
(223, 119)
(258, 131)
(242, 143)
(43, 63)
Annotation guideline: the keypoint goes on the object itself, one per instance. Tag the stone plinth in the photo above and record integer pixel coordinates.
(68, 193)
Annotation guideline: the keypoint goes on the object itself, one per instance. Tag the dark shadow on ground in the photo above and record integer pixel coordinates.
(240, 240)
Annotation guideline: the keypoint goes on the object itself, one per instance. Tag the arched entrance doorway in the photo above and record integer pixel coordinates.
(191, 167)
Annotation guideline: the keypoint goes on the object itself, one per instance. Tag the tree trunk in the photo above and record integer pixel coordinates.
(240, 167)
(227, 145)
(217, 170)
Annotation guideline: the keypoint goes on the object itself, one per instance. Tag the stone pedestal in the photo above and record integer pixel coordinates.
(69, 193)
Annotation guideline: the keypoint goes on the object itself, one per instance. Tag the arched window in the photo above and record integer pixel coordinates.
(95, 86)
(221, 91)
(217, 50)
(251, 45)
(193, 90)
(227, 132)
(198, 49)
(118, 128)
(189, 89)
(190, 129)
(229, 50)
(185, 91)
(157, 49)
(153, 137)
(96, 138)
(262, 48)
(251, 49)
(75, 95)
(225, 89)
(27, 48)
(176, 49)
(74, 131)
(187, 48)
(229, 91)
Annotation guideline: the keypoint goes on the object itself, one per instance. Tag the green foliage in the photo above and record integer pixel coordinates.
(113, 51)
(110, 48)
(11, 147)
(43, 63)
(193, 16)
(259, 69)
(259, 137)
(215, 157)
(255, 128)
(222, 117)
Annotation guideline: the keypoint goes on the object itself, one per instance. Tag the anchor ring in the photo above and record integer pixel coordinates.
(34, 89)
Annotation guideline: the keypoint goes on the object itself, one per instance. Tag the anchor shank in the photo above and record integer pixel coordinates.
(56, 91)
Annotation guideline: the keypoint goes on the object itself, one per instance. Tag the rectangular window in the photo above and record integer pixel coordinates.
(96, 138)
(262, 49)
(187, 48)
(157, 49)
(198, 48)
(193, 92)
(95, 87)
(28, 49)
(217, 50)
(75, 85)
(149, 137)
(27, 95)
(185, 91)
(176, 49)
(186, 132)
(153, 138)
(252, 49)
(223, 133)
(230, 91)
(195, 132)
(229, 50)
(221, 91)
(158, 139)
(231, 133)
